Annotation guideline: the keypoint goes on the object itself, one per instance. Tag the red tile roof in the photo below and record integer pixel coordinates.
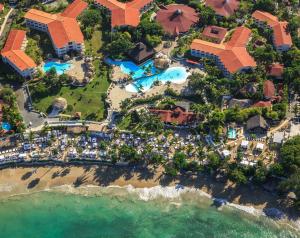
(178, 115)
(232, 54)
(280, 34)
(269, 89)
(63, 28)
(262, 104)
(74, 9)
(13, 50)
(214, 32)
(177, 18)
(223, 8)
(124, 14)
(276, 70)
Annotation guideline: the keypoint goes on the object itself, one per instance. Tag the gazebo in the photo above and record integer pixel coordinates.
(141, 53)
(177, 18)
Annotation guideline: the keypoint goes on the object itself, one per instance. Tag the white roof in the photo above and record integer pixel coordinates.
(260, 146)
(278, 137)
(244, 143)
(226, 153)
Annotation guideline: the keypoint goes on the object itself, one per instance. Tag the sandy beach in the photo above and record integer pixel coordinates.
(25, 180)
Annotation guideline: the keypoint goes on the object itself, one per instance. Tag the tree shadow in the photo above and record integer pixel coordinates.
(33, 183)
(80, 180)
(65, 172)
(26, 175)
(106, 175)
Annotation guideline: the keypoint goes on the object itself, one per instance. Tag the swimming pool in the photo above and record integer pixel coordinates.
(6, 126)
(137, 71)
(59, 67)
(176, 75)
(231, 133)
(144, 82)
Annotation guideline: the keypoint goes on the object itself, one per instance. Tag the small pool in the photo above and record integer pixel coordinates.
(144, 82)
(6, 126)
(231, 133)
(59, 67)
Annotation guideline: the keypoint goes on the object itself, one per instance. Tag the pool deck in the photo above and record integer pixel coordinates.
(117, 93)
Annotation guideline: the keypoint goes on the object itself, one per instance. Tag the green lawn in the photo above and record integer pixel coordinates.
(93, 46)
(87, 100)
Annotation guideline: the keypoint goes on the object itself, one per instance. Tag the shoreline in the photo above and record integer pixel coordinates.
(27, 180)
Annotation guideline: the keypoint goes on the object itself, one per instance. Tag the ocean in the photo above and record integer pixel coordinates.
(93, 212)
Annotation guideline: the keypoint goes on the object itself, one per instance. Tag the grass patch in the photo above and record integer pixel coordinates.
(124, 122)
(88, 100)
(93, 45)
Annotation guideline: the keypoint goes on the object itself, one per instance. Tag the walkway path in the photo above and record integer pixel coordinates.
(284, 123)
(5, 21)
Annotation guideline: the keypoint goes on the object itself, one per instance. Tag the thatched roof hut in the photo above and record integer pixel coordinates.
(161, 63)
(60, 103)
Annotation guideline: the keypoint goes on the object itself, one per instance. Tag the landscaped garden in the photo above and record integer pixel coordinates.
(88, 100)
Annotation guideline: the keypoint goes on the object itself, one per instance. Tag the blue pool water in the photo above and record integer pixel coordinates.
(59, 67)
(6, 126)
(137, 71)
(143, 82)
(231, 133)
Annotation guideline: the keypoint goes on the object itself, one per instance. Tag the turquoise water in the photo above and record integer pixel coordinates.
(6, 126)
(143, 82)
(59, 67)
(137, 71)
(117, 214)
(231, 133)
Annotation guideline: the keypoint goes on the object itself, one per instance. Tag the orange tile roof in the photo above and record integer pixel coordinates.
(223, 7)
(74, 9)
(262, 104)
(124, 13)
(176, 115)
(280, 34)
(12, 50)
(269, 89)
(232, 54)
(214, 32)
(276, 70)
(63, 28)
(40, 16)
(177, 18)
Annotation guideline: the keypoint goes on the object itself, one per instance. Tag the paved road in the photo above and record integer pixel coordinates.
(5, 21)
(28, 116)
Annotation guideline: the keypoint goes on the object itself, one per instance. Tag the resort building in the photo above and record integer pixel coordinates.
(257, 124)
(125, 14)
(214, 34)
(231, 56)
(262, 104)
(177, 115)
(269, 90)
(177, 18)
(282, 39)
(14, 55)
(276, 70)
(141, 53)
(223, 8)
(63, 29)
